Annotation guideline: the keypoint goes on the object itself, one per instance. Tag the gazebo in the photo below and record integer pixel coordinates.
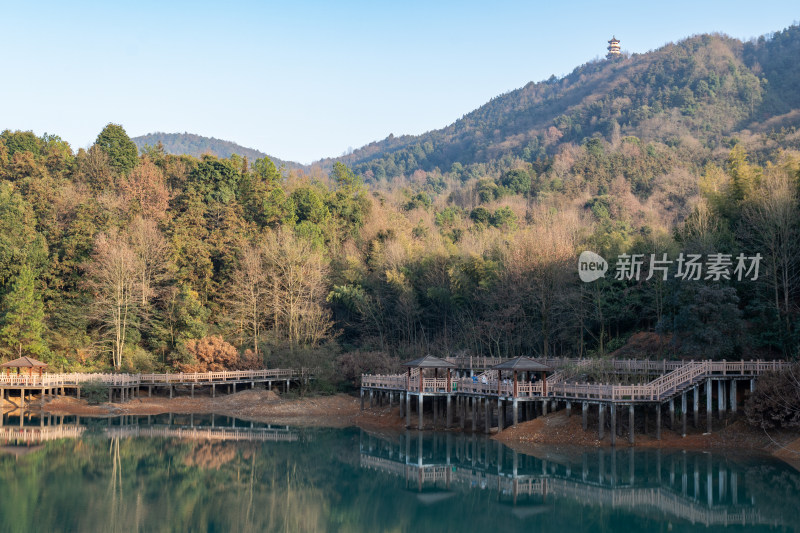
(428, 361)
(24, 362)
(522, 364)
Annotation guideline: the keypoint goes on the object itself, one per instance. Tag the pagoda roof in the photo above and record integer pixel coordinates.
(429, 361)
(523, 364)
(23, 362)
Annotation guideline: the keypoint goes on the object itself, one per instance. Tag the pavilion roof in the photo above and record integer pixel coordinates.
(23, 362)
(523, 364)
(429, 361)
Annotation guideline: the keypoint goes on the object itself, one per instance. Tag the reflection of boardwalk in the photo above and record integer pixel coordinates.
(36, 435)
(43, 433)
(700, 489)
(197, 433)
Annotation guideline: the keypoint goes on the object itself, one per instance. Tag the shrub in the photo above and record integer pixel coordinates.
(93, 392)
(776, 400)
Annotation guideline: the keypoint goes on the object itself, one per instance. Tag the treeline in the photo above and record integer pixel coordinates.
(114, 259)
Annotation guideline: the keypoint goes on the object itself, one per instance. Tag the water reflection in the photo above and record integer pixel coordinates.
(701, 488)
(214, 473)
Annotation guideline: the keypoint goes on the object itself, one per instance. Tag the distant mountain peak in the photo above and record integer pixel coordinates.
(197, 145)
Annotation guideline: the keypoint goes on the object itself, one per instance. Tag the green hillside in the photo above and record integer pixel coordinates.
(698, 94)
(197, 145)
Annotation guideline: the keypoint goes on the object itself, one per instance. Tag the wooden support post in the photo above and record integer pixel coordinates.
(371, 398)
(474, 414)
(569, 409)
(696, 404)
(419, 407)
(234, 389)
(672, 414)
(658, 421)
(449, 411)
(630, 423)
(501, 414)
(110, 395)
(192, 387)
(487, 415)
(362, 398)
(683, 414)
(709, 405)
(721, 398)
(752, 385)
(544, 407)
(585, 415)
(514, 414)
(733, 396)
(613, 424)
(408, 410)
(601, 426)
(170, 392)
(213, 390)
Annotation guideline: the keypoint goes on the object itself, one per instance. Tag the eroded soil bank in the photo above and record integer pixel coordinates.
(342, 410)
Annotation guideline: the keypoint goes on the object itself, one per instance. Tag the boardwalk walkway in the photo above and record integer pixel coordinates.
(125, 386)
(671, 381)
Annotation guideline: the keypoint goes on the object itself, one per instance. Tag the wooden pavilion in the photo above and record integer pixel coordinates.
(428, 362)
(522, 364)
(24, 362)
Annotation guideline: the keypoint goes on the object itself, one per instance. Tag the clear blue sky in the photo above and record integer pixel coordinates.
(304, 80)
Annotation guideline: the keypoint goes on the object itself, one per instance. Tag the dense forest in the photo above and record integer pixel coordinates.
(117, 258)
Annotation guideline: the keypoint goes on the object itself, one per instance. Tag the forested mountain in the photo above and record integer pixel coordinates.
(684, 162)
(695, 96)
(197, 145)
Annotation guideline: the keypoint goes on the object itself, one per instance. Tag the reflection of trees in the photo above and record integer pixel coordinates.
(128, 484)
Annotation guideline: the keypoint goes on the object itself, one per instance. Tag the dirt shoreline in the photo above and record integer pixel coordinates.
(342, 410)
(336, 411)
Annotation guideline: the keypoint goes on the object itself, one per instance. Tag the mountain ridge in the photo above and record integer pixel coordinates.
(197, 145)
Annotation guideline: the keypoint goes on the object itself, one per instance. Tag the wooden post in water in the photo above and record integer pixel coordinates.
(585, 414)
(419, 406)
(683, 414)
(487, 415)
(696, 404)
(408, 409)
(658, 421)
(449, 407)
(474, 414)
(672, 414)
(630, 423)
(709, 405)
(601, 412)
(721, 398)
(613, 424)
(733, 396)
(514, 414)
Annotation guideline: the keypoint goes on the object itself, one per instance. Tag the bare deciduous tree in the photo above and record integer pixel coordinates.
(113, 276)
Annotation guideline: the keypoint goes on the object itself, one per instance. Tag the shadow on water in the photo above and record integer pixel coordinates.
(216, 473)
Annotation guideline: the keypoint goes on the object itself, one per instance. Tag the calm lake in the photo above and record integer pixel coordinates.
(204, 473)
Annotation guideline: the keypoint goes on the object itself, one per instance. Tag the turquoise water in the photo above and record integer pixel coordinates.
(193, 473)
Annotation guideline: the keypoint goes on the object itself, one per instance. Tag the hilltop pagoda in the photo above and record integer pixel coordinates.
(613, 48)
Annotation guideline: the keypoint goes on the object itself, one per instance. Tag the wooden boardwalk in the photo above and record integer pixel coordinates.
(125, 386)
(671, 381)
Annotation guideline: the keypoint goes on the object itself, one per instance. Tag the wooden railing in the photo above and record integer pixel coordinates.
(680, 375)
(120, 380)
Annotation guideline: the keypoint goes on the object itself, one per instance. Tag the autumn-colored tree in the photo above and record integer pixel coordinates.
(145, 191)
(210, 354)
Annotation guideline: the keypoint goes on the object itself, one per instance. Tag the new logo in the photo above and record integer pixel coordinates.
(591, 266)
